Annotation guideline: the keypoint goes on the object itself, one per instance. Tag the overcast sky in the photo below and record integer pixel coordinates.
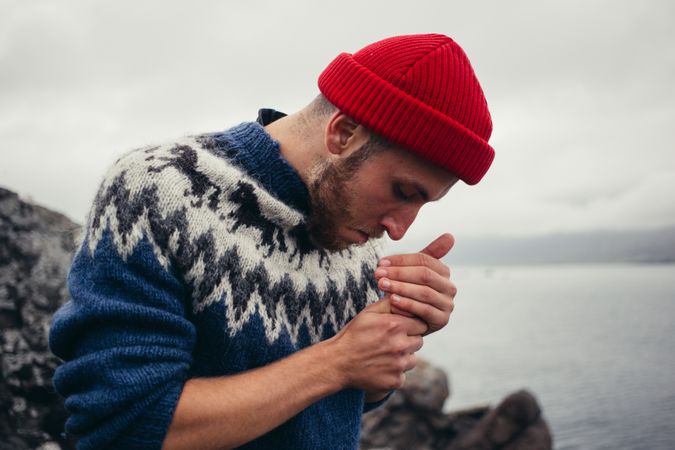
(582, 95)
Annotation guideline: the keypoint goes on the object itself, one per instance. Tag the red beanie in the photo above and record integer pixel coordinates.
(420, 92)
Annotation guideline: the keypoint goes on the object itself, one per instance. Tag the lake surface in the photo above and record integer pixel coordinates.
(594, 343)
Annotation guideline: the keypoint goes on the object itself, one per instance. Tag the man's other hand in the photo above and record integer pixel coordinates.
(376, 348)
(418, 284)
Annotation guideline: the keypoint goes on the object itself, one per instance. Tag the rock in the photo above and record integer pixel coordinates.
(516, 424)
(426, 388)
(36, 247)
(413, 418)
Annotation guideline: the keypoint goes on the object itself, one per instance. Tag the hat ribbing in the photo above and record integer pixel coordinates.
(418, 91)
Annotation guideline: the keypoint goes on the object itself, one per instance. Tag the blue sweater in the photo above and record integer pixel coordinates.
(196, 262)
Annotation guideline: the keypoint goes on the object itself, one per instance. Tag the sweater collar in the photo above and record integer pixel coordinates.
(253, 149)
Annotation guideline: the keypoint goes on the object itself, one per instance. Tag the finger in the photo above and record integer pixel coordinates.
(423, 294)
(410, 344)
(419, 275)
(392, 309)
(412, 325)
(434, 317)
(411, 362)
(381, 306)
(415, 343)
(395, 310)
(415, 259)
(440, 246)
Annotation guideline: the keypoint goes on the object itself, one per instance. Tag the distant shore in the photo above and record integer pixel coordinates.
(655, 246)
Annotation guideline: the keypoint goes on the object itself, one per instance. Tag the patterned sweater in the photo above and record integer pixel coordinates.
(196, 262)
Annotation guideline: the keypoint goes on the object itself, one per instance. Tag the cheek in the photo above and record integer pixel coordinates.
(369, 209)
(370, 197)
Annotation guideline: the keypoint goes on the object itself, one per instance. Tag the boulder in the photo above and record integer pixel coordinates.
(36, 247)
(413, 418)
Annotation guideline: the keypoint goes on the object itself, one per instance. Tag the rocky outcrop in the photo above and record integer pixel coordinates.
(36, 246)
(413, 418)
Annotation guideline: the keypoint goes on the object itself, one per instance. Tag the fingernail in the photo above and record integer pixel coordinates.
(381, 272)
(385, 263)
(385, 283)
(395, 298)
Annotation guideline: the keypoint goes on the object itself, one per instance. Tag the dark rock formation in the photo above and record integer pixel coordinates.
(36, 246)
(413, 418)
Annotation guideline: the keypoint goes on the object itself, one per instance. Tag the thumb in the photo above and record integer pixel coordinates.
(381, 306)
(440, 246)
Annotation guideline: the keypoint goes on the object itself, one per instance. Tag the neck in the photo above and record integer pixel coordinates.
(300, 139)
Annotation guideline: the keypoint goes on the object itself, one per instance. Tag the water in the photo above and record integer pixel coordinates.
(594, 343)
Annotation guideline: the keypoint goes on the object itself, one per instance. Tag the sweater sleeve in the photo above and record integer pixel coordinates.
(126, 342)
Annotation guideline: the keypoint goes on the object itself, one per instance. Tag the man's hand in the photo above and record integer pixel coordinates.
(376, 348)
(419, 285)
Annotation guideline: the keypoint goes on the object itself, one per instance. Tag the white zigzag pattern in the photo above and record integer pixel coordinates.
(172, 186)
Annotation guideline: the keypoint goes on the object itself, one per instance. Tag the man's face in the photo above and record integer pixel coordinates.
(354, 200)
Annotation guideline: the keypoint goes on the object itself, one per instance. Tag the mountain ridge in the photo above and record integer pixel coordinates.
(635, 246)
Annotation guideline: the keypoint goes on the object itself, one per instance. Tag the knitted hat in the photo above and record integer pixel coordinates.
(420, 92)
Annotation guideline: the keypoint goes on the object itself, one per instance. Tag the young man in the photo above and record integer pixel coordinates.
(226, 290)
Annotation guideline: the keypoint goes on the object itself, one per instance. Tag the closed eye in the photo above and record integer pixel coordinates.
(402, 195)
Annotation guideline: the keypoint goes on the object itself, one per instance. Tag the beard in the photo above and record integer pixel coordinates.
(332, 203)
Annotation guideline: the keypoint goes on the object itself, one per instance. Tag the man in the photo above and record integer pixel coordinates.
(226, 290)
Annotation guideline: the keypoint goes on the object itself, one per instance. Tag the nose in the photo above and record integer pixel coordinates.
(397, 222)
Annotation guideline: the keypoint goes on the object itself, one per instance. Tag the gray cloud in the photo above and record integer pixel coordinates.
(580, 94)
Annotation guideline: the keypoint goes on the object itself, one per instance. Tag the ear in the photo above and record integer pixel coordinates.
(343, 135)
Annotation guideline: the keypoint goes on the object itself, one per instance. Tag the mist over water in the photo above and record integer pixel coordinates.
(594, 343)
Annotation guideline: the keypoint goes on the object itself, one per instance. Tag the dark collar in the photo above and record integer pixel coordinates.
(267, 115)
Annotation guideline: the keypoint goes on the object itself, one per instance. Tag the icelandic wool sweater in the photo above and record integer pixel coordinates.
(196, 262)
